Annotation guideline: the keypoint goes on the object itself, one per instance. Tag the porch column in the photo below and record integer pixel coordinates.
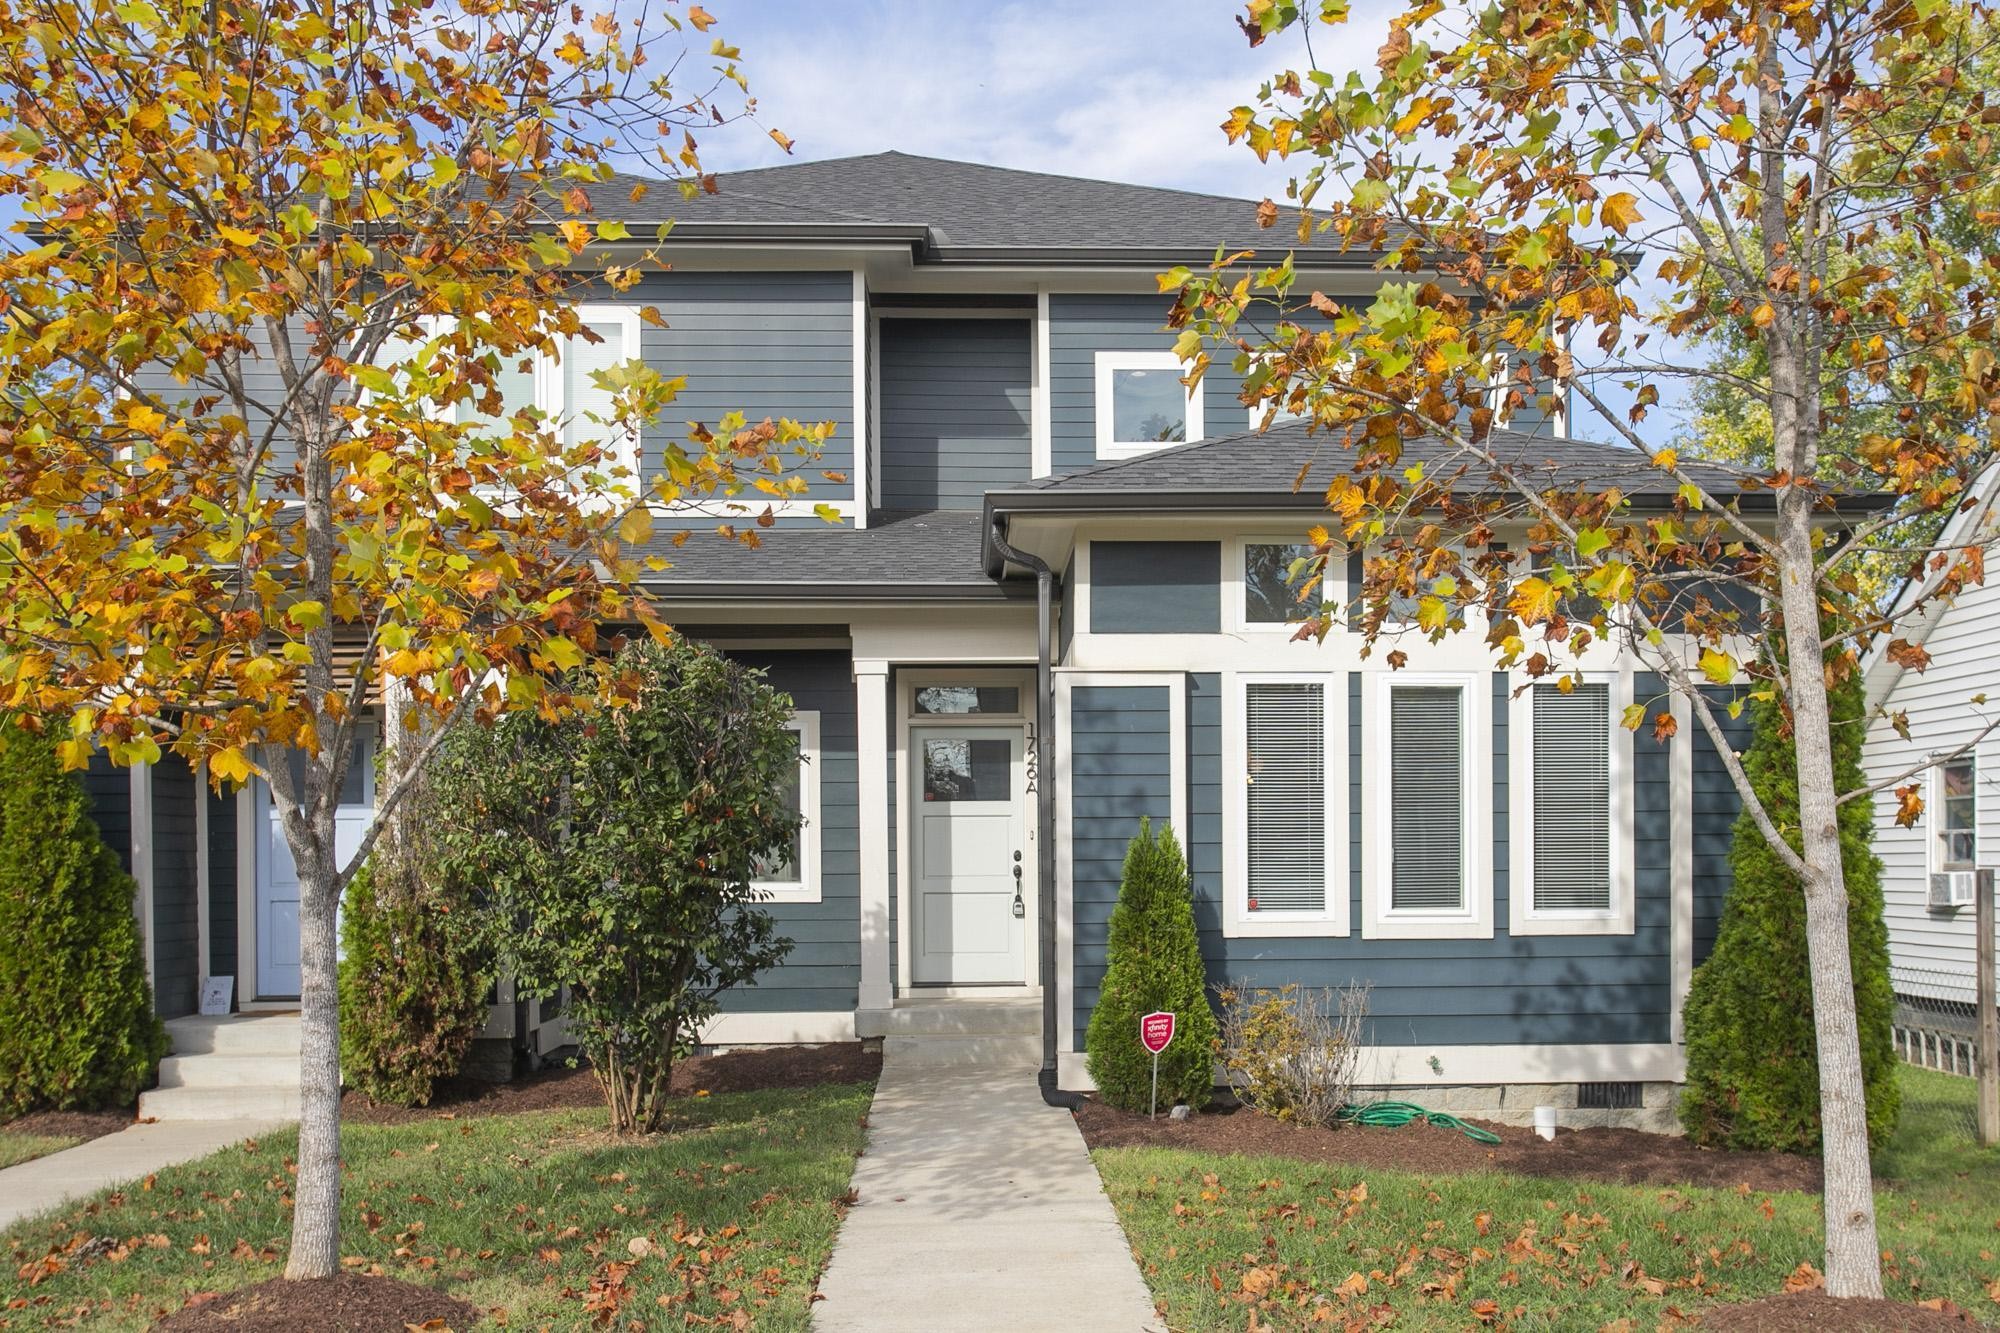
(871, 753)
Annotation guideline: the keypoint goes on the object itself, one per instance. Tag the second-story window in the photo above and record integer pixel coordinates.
(1142, 405)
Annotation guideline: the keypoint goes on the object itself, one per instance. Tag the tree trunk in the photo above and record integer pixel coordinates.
(316, 1207)
(1853, 1257)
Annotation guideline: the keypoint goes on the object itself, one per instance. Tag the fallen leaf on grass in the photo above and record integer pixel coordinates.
(1804, 1278)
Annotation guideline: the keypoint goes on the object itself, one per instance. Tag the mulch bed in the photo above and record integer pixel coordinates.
(344, 1303)
(1802, 1310)
(72, 1124)
(1620, 1156)
(561, 1089)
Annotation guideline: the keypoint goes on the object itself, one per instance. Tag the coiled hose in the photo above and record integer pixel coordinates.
(1394, 1115)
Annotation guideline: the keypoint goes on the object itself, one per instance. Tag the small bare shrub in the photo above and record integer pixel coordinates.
(1292, 1052)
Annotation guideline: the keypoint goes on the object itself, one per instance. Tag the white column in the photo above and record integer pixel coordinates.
(871, 753)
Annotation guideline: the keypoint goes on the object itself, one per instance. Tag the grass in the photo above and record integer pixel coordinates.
(1270, 1242)
(532, 1217)
(16, 1148)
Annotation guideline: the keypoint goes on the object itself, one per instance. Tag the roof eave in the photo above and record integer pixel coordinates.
(928, 593)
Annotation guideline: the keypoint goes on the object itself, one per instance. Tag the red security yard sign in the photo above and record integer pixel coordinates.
(1155, 1031)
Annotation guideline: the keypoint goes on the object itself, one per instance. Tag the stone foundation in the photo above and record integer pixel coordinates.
(1515, 1103)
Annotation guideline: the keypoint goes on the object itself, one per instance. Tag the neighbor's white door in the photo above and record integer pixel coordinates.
(968, 856)
(278, 878)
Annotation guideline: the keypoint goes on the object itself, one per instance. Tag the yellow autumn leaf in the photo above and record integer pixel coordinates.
(1620, 211)
(230, 764)
(636, 527)
(1718, 667)
(1534, 600)
(237, 235)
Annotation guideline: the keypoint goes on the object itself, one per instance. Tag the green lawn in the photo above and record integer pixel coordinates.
(533, 1214)
(1298, 1243)
(18, 1148)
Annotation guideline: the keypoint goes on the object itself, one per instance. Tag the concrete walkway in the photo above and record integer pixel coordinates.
(978, 1209)
(129, 1155)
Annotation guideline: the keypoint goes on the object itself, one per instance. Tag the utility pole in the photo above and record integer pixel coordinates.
(1989, 1014)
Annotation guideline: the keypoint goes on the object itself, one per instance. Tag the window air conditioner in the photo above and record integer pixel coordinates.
(1952, 888)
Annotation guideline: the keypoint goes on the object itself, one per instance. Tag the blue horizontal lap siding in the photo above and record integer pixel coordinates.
(1715, 808)
(1107, 800)
(1155, 587)
(1503, 991)
(1080, 326)
(176, 912)
(823, 972)
(955, 410)
(764, 344)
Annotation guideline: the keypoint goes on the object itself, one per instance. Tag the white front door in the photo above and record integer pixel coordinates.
(278, 877)
(969, 856)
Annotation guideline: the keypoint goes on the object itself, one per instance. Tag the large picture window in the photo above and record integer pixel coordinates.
(1141, 404)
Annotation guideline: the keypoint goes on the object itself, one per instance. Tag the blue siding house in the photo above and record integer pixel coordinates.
(1055, 604)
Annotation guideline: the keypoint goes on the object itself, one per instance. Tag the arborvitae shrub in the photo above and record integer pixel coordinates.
(1154, 964)
(80, 1029)
(413, 977)
(1753, 1068)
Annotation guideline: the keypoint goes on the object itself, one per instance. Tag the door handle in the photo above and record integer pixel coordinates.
(1020, 908)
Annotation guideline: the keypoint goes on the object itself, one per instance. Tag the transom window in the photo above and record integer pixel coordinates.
(1274, 575)
(963, 700)
(1957, 816)
(1427, 799)
(1142, 405)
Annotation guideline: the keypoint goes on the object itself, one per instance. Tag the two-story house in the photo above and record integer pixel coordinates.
(1057, 604)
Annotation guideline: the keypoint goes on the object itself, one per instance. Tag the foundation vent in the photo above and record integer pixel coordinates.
(1608, 1096)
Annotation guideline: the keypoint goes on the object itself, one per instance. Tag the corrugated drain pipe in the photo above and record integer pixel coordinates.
(1045, 805)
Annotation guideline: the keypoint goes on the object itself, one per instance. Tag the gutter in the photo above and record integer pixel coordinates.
(1045, 804)
(931, 593)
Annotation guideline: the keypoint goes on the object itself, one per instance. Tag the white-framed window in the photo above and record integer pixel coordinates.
(1954, 811)
(1285, 808)
(1142, 406)
(563, 389)
(1265, 578)
(791, 873)
(1428, 748)
(1570, 809)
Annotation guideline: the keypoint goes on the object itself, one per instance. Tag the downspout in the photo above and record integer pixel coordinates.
(1045, 803)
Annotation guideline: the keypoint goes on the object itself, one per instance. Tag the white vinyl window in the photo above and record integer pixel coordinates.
(1955, 815)
(1141, 404)
(1429, 747)
(1265, 582)
(1570, 809)
(791, 872)
(1284, 867)
(563, 390)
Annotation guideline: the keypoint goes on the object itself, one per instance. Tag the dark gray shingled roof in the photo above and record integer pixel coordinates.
(965, 210)
(1267, 464)
(932, 554)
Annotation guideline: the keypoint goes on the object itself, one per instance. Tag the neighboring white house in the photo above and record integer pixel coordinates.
(1927, 869)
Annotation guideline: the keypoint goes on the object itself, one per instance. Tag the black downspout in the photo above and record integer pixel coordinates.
(1045, 806)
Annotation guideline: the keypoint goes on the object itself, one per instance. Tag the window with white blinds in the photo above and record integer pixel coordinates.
(1572, 799)
(1285, 796)
(1427, 798)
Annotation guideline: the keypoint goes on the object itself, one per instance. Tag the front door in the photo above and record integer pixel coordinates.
(278, 877)
(969, 858)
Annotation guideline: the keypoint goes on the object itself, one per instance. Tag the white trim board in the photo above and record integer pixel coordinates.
(778, 1029)
(1479, 1066)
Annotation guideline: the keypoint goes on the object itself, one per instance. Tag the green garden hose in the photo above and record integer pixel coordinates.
(1394, 1115)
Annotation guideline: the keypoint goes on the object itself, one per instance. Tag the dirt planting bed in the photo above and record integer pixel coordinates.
(737, 1071)
(1621, 1156)
(1799, 1311)
(71, 1124)
(344, 1303)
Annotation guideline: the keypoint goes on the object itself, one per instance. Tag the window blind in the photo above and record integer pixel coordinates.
(587, 408)
(1427, 804)
(1572, 758)
(1285, 729)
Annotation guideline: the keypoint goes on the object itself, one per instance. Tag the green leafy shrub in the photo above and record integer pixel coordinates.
(413, 983)
(1154, 964)
(1292, 1052)
(80, 1029)
(618, 850)
(1753, 1067)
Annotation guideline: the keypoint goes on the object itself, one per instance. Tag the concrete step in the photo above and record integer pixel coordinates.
(237, 1034)
(942, 1052)
(257, 1103)
(956, 1018)
(229, 1071)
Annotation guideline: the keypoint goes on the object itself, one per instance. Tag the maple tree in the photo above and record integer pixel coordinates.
(276, 265)
(1559, 195)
